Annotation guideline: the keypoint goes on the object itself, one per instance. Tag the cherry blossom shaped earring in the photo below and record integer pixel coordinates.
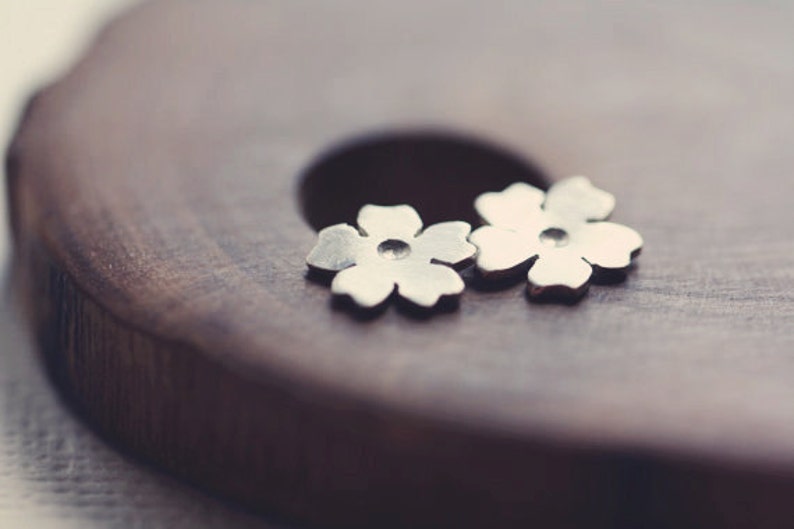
(390, 252)
(562, 235)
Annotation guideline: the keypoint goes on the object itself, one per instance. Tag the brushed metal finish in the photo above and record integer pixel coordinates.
(390, 252)
(561, 235)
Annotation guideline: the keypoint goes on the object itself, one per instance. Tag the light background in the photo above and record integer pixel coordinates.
(40, 38)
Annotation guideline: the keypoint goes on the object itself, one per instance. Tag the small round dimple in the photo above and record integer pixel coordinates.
(554, 237)
(394, 249)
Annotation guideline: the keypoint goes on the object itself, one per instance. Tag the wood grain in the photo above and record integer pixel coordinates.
(165, 193)
(56, 474)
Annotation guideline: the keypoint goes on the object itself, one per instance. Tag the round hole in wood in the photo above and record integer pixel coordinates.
(438, 173)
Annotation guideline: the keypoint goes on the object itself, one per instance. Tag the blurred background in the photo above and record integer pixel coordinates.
(54, 473)
(41, 38)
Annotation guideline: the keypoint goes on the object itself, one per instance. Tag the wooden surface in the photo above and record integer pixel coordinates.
(56, 474)
(164, 196)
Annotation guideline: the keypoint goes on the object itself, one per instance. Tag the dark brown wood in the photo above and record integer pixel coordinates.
(166, 192)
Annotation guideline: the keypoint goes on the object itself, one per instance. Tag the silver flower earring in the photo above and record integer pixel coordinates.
(389, 251)
(561, 234)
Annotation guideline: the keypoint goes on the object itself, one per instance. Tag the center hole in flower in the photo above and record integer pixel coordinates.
(394, 249)
(554, 237)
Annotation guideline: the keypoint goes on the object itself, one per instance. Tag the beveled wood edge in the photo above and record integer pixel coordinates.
(172, 405)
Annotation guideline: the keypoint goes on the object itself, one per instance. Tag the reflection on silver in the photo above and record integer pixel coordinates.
(390, 251)
(561, 234)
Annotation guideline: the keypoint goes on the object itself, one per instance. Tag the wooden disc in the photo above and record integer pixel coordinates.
(166, 192)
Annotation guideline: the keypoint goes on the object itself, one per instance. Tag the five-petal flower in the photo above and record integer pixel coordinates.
(389, 251)
(561, 234)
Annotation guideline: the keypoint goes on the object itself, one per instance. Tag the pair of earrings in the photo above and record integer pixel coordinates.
(561, 235)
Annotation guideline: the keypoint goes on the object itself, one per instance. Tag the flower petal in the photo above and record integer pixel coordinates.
(517, 207)
(609, 245)
(368, 286)
(425, 284)
(444, 243)
(501, 251)
(560, 272)
(576, 197)
(336, 248)
(389, 222)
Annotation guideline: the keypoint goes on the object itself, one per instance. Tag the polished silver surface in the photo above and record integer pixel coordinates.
(389, 251)
(560, 234)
